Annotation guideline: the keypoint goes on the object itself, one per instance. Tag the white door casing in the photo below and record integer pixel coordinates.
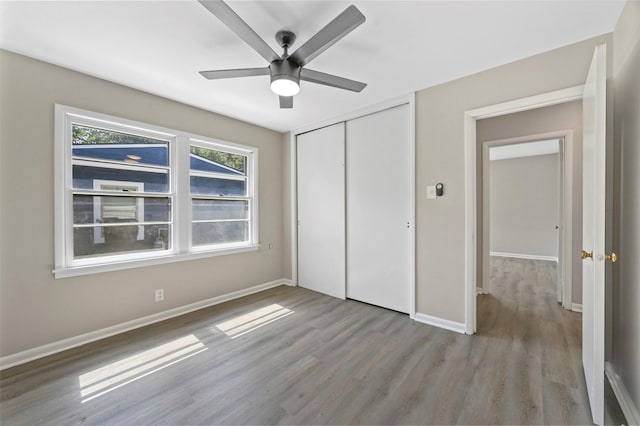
(379, 205)
(593, 231)
(321, 210)
(470, 206)
(560, 227)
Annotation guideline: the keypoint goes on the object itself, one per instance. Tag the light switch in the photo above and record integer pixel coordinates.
(431, 192)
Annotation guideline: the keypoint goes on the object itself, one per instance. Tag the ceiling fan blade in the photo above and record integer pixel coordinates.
(243, 72)
(331, 80)
(286, 101)
(228, 17)
(342, 25)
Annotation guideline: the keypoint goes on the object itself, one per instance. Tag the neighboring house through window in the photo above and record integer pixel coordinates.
(131, 194)
(115, 209)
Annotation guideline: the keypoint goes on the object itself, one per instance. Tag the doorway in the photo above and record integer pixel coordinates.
(473, 162)
(526, 205)
(594, 98)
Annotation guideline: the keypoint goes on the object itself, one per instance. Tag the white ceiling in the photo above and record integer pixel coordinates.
(159, 46)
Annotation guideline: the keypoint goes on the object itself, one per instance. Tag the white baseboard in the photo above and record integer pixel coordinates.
(627, 405)
(458, 327)
(480, 290)
(72, 342)
(525, 256)
(576, 307)
(286, 281)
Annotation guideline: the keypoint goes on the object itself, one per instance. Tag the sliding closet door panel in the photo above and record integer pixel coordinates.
(378, 209)
(321, 211)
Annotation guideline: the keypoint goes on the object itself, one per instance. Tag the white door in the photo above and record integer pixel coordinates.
(321, 210)
(379, 194)
(593, 231)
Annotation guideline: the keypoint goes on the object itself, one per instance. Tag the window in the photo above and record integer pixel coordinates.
(220, 204)
(130, 194)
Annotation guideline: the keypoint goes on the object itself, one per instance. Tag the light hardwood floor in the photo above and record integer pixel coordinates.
(292, 356)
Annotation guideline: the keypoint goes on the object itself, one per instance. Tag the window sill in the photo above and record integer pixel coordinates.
(138, 263)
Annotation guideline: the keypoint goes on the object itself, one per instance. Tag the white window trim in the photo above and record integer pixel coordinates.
(251, 197)
(179, 155)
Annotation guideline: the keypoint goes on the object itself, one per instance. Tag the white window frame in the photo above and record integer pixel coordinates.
(250, 185)
(180, 248)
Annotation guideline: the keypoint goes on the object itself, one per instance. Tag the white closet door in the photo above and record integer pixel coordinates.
(379, 194)
(321, 211)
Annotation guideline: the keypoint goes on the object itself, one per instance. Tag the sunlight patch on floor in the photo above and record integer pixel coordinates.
(112, 376)
(253, 320)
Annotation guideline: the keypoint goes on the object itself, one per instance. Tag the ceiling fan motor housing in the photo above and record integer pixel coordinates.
(285, 69)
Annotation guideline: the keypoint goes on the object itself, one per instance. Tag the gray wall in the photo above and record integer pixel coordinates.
(35, 309)
(440, 158)
(567, 116)
(524, 205)
(626, 288)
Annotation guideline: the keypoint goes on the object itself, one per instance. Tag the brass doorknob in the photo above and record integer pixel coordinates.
(586, 255)
(612, 257)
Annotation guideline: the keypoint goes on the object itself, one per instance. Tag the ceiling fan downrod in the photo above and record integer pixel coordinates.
(285, 39)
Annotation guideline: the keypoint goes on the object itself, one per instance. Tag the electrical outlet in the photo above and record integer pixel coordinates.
(270, 246)
(159, 295)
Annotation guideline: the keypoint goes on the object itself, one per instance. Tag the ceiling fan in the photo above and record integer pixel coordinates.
(286, 70)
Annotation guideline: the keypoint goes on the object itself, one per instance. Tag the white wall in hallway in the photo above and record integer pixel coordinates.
(524, 205)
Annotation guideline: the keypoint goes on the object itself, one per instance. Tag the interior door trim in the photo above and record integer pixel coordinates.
(470, 181)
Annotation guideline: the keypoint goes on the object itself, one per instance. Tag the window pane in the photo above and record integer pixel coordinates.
(219, 209)
(215, 186)
(94, 176)
(219, 233)
(113, 209)
(210, 160)
(119, 239)
(108, 145)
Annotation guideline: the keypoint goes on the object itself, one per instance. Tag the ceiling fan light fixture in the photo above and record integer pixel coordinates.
(285, 78)
(284, 86)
